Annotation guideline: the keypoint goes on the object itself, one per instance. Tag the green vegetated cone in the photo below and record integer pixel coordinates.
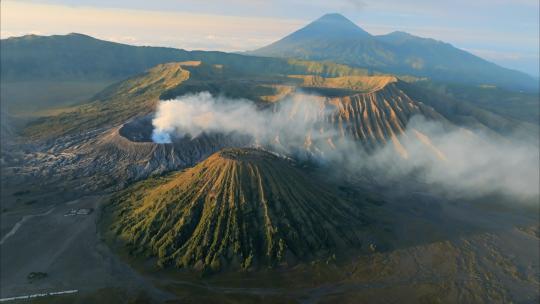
(238, 209)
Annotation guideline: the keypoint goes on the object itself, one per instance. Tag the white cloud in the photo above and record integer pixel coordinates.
(174, 29)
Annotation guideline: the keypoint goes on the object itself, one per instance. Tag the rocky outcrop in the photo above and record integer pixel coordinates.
(370, 119)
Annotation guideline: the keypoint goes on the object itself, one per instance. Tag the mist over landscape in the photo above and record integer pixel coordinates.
(464, 162)
(300, 152)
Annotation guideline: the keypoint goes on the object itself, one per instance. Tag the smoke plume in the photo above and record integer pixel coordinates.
(468, 163)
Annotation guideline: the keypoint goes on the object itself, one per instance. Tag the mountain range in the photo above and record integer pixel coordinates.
(81, 57)
(331, 38)
(334, 38)
(70, 69)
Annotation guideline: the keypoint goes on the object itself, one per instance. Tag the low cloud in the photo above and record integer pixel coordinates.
(474, 163)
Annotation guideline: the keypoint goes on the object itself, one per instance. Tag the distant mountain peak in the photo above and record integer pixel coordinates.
(31, 37)
(335, 38)
(23, 37)
(398, 37)
(333, 24)
(329, 26)
(79, 35)
(400, 34)
(333, 16)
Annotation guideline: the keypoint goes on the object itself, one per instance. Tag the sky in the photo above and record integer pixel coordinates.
(502, 31)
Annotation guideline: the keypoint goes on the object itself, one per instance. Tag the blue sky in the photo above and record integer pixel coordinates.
(503, 31)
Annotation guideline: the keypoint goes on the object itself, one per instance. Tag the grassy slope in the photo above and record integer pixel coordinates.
(241, 208)
(118, 103)
(364, 84)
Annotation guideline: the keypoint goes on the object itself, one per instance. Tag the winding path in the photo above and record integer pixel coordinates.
(19, 224)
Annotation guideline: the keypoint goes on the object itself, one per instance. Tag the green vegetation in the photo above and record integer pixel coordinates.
(238, 209)
(358, 84)
(327, 68)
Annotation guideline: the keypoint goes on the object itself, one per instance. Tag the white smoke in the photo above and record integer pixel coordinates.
(195, 114)
(284, 125)
(470, 164)
(462, 162)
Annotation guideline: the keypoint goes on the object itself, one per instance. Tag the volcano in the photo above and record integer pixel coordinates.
(335, 38)
(238, 209)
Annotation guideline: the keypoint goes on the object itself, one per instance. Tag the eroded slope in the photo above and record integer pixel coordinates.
(240, 208)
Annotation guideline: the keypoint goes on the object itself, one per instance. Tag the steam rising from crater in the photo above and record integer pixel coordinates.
(195, 114)
(462, 162)
(288, 123)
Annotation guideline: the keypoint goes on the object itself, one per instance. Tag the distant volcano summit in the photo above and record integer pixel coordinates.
(333, 26)
(335, 38)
